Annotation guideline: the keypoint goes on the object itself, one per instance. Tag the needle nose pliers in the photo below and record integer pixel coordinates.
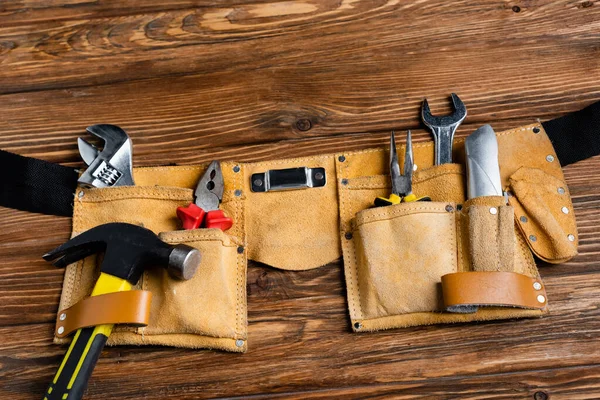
(401, 183)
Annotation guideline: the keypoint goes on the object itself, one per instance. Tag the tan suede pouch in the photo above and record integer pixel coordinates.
(394, 257)
(208, 311)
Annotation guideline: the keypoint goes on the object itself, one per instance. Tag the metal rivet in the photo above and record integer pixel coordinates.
(449, 208)
(61, 329)
(62, 317)
(565, 210)
(493, 210)
(541, 299)
(532, 238)
(561, 190)
(240, 249)
(414, 167)
(549, 158)
(238, 193)
(571, 237)
(341, 158)
(523, 219)
(344, 181)
(537, 285)
(258, 182)
(536, 130)
(239, 343)
(80, 194)
(357, 325)
(236, 168)
(348, 235)
(319, 176)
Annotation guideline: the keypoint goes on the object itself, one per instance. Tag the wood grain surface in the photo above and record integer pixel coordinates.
(248, 80)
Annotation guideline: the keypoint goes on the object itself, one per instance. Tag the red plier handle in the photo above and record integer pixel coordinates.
(193, 216)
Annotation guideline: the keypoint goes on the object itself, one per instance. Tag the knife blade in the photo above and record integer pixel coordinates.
(483, 170)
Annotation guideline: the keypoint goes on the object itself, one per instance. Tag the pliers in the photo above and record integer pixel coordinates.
(204, 212)
(401, 184)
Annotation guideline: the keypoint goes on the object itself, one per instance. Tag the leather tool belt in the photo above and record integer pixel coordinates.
(448, 260)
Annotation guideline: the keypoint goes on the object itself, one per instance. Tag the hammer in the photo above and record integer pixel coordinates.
(128, 250)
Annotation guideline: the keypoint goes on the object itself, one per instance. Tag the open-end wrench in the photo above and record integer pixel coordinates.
(112, 166)
(443, 128)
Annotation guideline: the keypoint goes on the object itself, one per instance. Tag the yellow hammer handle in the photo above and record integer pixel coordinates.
(71, 379)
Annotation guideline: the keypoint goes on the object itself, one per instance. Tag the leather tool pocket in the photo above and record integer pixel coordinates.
(401, 252)
(496, 269)
(207, 311)
(408, 264)
(213, 303)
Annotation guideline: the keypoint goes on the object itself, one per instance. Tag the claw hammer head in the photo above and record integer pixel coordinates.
(128, 250)
(110, 166)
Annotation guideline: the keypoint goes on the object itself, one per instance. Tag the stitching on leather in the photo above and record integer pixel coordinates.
(459, 244)
(291, 160)
(381, 185)
(452, 238)
(497, 241)
(192, 236)
(399, 212)
(153, 194)
(171, 168)
(353, 290)
(239, 260)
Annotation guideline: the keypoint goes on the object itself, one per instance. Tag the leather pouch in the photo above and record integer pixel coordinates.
(207, 311)
(452, 259)
(394, 257)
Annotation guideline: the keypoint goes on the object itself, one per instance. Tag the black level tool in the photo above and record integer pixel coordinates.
(128, 249)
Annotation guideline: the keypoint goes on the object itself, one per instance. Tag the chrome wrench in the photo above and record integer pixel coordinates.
(443, 128)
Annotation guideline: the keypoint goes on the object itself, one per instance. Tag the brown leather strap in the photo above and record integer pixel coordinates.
(493, 288)
(130, 307)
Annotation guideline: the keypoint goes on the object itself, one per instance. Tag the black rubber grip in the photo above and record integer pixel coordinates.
(56, 391)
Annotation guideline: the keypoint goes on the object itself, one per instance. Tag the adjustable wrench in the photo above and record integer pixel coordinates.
(110, 166)
(443, 128)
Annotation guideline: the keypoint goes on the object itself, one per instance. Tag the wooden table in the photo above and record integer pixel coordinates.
(247, 80)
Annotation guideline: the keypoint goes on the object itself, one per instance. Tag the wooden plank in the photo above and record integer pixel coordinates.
(403, 44)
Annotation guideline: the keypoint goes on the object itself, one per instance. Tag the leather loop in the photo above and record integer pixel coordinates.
(129, 307)
(493, 288)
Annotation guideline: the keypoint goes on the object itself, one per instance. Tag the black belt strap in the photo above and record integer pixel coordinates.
(575, 136)
(35, 185)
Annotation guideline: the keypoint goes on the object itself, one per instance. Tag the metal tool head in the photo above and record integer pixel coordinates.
(128, 250)
(401, 184)
(111, 166)
(454, 119)
(483, 170)
(443, 128)
(209, 191)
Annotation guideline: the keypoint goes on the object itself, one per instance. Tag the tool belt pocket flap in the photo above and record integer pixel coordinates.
(544, 214)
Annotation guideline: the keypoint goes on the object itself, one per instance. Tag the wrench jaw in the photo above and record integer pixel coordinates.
(444, 127)
(113, 165)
